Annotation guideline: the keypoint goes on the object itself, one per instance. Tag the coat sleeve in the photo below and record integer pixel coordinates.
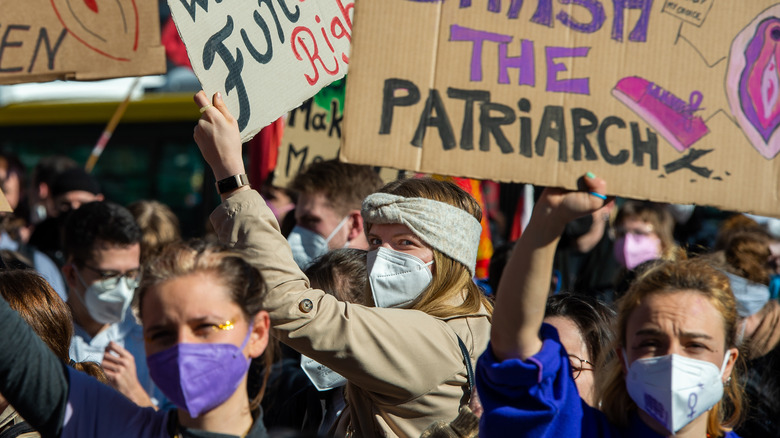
(32, 378)
(398, 353)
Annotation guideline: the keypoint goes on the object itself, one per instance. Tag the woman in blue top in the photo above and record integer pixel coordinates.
(673, 372)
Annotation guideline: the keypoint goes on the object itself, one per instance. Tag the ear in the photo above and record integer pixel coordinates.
(621, 360)
(734, 354)
(258, 340)
(69, 274)
(355, 223)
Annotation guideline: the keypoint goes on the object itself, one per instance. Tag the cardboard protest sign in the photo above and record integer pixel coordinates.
(312, 133)
(265, 57)
(43, 40)
(5, 207)
(675, 101)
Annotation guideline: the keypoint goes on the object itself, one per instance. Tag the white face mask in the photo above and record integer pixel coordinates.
(105, 304)
(321, 376)
(751, 297)
(306, 245)
(675, 389)
(396, 278)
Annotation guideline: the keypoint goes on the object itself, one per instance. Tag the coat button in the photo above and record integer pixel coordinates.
(306, 306)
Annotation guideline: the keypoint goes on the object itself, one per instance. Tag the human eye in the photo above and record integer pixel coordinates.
(374, 242)
(647, 344)
(160, 336)
(697, 347)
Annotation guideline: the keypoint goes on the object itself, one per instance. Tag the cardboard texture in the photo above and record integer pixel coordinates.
(5, 207)
(265, 57)
(44, 40)
(313, 133)
(674, 101)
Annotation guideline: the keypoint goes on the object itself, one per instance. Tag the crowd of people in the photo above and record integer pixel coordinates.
(348, 307)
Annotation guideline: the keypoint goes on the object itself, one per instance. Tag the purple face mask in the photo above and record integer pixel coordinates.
(634, 249)
(199, 377)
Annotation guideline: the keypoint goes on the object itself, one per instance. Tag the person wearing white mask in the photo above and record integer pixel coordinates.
(407, 365)
(328, 209)
(673, 372)
(102, 246)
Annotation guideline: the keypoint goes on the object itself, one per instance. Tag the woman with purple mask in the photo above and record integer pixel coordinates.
(201, 307)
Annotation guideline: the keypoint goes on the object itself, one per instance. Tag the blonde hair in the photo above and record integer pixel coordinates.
(159, 226)
(670, 278)
(243, 281)
(451, 279)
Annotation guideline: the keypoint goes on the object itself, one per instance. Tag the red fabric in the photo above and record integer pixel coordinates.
(174, 47)
(263, 152)
(517, 220)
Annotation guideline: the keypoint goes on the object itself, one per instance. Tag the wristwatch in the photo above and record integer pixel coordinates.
(232, 183)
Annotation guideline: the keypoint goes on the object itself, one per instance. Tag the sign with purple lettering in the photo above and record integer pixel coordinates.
(674, 101)
(43, 40)
(267, 56)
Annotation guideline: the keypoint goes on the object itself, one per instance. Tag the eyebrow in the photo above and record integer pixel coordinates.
(656, 332)
(199, 319)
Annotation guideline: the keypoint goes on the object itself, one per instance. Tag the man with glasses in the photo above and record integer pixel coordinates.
(102, 270)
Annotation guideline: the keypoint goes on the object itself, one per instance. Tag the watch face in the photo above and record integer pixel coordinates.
(231, 183)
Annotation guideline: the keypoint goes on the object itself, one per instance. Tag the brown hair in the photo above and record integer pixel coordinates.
(732, 226)
(159, 226)
(656, 215)
(242, 280)
(344, 185)
(450, 278)
(45, 312)
(748, 254)
(669, 278)
(341, 273)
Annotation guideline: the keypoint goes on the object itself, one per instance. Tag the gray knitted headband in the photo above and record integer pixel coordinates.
(449, 229)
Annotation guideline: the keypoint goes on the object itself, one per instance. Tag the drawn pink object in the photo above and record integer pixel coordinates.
(671, 116)
(753, 82)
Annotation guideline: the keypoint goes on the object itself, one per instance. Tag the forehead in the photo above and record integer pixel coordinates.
(389, 230)
(635, 222)
(570, 336)
(77, 195)
(315, 204)
(112, 257)
(676, 313)
(191, 296)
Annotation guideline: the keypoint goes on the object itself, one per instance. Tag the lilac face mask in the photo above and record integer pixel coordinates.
(633, 249)
(199, 377)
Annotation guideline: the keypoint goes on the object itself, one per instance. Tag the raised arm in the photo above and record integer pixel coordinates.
(306, 319)
(525, 283)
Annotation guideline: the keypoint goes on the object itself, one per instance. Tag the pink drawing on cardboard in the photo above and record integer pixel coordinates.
(671, 116)
(753, 82)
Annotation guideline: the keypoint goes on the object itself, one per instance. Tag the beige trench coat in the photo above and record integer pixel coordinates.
(405, 368)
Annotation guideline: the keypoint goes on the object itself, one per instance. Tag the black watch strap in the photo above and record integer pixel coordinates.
(232, 183)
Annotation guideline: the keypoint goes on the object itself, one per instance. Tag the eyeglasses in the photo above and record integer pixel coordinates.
(578, 365)
(111, 278)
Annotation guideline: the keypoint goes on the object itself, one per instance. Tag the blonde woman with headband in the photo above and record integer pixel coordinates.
(407, 356)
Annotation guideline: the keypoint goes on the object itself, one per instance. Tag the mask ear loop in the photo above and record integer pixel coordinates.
(336, 230)
(725, 362)
(246, 341)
